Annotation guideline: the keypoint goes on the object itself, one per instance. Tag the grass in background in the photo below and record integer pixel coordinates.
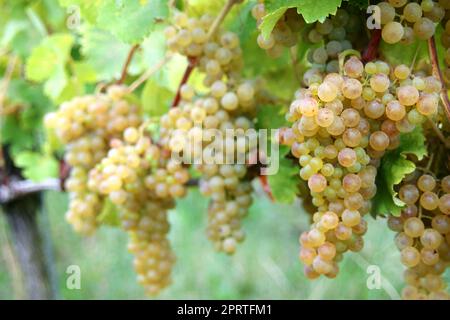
(265, 266)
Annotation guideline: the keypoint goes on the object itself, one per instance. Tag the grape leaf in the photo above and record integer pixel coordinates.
(131, 20)
(52, 52)
(103, 52)
(242, 21)
(155, 98)
(311, 10)
(87, 8)
(394, 167)
(398, 53)
(21, 130)
(36, 166)
(284, 184)
(199, 7)
(11, 133)
(72, 89)
(56, 83)
(271, 117)
(270, 20)
(84, 72)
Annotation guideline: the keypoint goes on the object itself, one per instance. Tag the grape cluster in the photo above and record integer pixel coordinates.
(86, 125)
(207, 133)
(404, 21)
(423, 236)
(216, 55)
(286, 32)
(342, 126)
(140, 179)
(337, 34)
(210, 131)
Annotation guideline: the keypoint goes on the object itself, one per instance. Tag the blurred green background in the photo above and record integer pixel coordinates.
(264, 267)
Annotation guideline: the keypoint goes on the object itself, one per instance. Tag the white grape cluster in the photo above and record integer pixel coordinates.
(139, 178)
(337, 33)
(218, 121)
(423, 236)
(206, 131)
(216, 55)
(86, 125)
(342, 126)
(286, 32)
(404, 21)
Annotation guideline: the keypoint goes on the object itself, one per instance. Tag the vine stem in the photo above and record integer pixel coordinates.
(187, 73)
(17, 189)
(430, 161)
(123, 75)
(432, 52)
(150, 72)
(223, 13)
(5, 83)
(293, 55)
(439, 133)
(192, 62)
(371, 52)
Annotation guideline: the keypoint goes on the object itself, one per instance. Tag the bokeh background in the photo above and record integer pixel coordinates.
(265, 266)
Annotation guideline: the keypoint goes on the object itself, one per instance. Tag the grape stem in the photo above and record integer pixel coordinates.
(293, 55)
(223, 13)
(430, 161)
(439, 133)
(371, 52)
(187, 73)
(150, 72)
(432, 52)
(7, 78)
(123, 75)
(344, 54)
(192, 62)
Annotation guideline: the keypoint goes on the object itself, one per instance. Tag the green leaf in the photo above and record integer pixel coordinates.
(270, 20)
(109, 214)
(41, 64)
(131, 20)
(311, 10)
(56, 83)
(88, 8)
(398, 53)
(20, 37)
(21, 130)
(12, 133)
(36, 166)
(284, 184)
(271, 117)
(72, 89)
(155, 98)
(394, 167)
(25, 93)
(104, 52)
(200, 7)
(45, 59)
(84, 72)
(242, 21)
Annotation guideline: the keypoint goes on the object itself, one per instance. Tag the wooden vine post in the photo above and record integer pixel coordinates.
(22, 211)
